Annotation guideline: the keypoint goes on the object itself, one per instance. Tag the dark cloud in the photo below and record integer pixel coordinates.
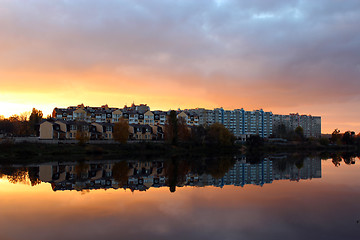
(308, 47)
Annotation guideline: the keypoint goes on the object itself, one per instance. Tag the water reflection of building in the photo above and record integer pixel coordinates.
(140, 175)
(240, 174)
(307, 168)
(132, 175)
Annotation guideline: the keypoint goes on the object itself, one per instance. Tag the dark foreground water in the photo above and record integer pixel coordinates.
(227, 198)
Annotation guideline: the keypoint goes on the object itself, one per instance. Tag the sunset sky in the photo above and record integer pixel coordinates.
(283, 56)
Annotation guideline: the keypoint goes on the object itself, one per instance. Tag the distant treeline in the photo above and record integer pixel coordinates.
(21, 125)
(337, 138)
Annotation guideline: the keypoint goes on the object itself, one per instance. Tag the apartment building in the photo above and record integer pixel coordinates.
(191, 118)
(310, 124)
(240, 122)
(62, 130)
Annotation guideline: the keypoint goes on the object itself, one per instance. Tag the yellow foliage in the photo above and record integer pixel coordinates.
(121, 131)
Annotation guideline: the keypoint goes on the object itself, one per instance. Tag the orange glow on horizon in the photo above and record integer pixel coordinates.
(93, 88)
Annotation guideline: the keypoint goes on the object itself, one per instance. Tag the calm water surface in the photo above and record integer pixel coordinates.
(270, 199)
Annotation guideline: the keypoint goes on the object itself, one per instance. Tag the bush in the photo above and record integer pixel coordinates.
(324, 141)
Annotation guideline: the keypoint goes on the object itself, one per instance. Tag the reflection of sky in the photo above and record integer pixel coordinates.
(320, 208)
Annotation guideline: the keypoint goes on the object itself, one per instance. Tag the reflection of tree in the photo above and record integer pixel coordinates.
(299, 164)
(253, 156)
(218, 167)
(18, 175)
(175, 171)
(81, 168)
(299, 160)
(120, 172)
(21, 175)
(253, 143)
(348, 158)
(336, 159)
(34, 175)
(280, 164)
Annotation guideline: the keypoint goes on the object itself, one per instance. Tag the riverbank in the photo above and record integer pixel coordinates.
(30, 152)
(304, 146)
(26, 152)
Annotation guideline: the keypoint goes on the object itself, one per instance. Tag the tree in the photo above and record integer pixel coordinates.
(80, 169)
(254, 142)
(82, 133)
(281, 131)
(121, 131)
(347, 138)
(335, 136)
(198, 134)
(183, 130)
(299, 133)
(171, 128)
(18, 125)
(34, 121)
(218, 134)
(324, 141)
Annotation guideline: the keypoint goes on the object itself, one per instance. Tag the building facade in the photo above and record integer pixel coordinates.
(310, 124)
(240, 122)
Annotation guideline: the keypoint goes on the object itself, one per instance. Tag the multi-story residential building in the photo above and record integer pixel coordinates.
(140, 108)
(310, 124)
(191, 118)
(104, 129)
(61, 130)
(149, 118)
(206, 117)
(245, 123)
(141, 132)
(116, 115)
(159, 117)
(240, 122)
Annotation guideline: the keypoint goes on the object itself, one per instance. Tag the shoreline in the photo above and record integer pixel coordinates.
(28, 152)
